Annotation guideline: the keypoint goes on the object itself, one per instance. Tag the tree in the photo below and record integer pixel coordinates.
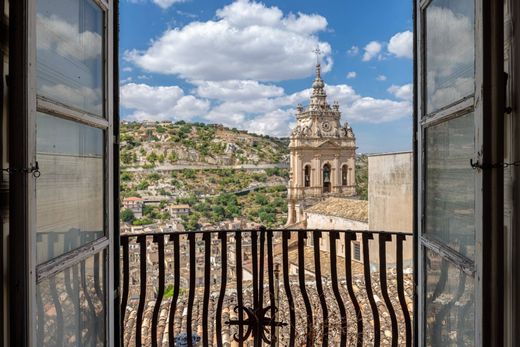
(127, 216)
(261, 199)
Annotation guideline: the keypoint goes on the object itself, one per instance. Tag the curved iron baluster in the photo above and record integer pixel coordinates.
(351, 236)
(40, 318)
(463, 314)
(400, 289)
(126, 281)
(142, 293)
(441, 284)
(207, 287)
(383, 238)
(439, 317)
(292, 315)
(240, 306)
(302, 235)
(368, 288)
(176, 287)
(223, 283)
(270, 270)
(159, 240)
(254, 256)
(191, 294)
(51, 239)
(319, 287)
(333, 236)
(68, 239)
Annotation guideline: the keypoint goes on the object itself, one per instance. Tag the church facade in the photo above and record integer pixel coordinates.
(322, 154)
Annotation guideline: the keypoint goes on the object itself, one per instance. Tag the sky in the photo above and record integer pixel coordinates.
(247, 64)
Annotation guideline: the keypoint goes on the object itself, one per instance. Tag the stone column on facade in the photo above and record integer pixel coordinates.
(298, 171)
(336, 188)
(318, 187)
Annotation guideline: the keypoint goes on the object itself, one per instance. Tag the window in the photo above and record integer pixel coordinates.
(307, 176)
(326, 178)
(344, 175)
(68, 133)
(454, 113)
(356, 250)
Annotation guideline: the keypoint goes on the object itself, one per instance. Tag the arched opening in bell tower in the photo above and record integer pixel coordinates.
(326, 178)
(307, 176)
(344, 175)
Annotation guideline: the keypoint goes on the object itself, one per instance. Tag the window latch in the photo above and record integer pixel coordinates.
(478, 166)
(34, 169)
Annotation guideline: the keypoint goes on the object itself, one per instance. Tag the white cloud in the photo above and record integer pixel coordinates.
(354, 50)
(164, 4)
(372, 50)
(451, 55)
(274, 123)
(381, 78)
(127, 69)
(401, 44)
(404, 92)
(160, 103)
(237, 90)
(256, 107)
(370, 110)
(65, 38)
(352, 74)
(247, 41)
(86, 98)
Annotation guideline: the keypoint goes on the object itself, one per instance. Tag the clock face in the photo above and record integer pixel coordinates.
(326, 127)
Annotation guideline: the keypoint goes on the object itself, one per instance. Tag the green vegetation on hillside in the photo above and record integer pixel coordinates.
(152, 144)
(267, 206)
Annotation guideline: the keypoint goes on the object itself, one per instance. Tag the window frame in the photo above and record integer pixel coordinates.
(25, 269)
(487, 105)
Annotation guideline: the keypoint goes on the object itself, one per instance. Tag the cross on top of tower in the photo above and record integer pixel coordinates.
(318, 52)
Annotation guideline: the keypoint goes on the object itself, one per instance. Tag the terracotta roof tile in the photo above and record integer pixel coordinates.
(343, 208)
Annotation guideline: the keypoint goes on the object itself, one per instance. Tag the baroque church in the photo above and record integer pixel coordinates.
(322, 154)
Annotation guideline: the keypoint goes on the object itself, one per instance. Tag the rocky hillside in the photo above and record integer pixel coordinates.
(152, 144)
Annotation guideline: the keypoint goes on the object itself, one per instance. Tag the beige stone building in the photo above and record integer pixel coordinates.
(390, 201)
(322, 154)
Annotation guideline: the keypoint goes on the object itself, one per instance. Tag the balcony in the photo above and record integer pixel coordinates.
(278, 287)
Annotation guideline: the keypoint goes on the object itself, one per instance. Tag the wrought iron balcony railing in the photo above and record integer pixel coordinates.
(277, 287)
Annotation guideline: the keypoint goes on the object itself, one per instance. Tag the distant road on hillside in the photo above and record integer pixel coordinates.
(180, 167)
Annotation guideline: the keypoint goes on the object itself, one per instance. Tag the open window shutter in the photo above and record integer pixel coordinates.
(459, 110)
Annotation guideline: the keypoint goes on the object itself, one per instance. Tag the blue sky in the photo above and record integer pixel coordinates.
(247, 64)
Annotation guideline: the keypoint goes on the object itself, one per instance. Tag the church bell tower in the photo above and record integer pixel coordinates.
(322, 153)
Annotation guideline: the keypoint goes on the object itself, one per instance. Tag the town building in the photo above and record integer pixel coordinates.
(179, 210)
(135, 205)
(322, 154)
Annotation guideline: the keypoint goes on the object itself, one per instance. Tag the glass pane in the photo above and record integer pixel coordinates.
(450, 184)
(71, 309)
(69, 38)
(450, 308)
(450, 52)
(70, 190)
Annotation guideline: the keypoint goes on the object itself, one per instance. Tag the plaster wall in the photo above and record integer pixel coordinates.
(390, 202)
